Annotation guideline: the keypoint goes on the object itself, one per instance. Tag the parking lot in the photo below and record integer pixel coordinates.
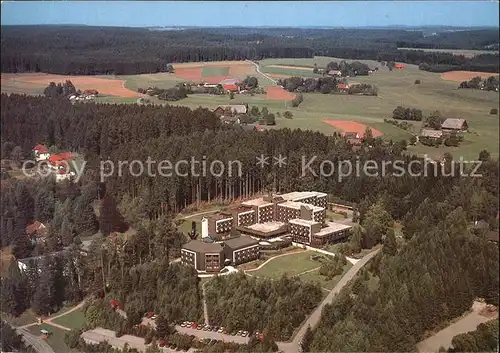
(212, 335)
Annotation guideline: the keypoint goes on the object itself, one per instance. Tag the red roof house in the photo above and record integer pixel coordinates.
(343, 86)
(399, 66)
(231, 88)
(114, 303)
(57, 159)
(41, 149)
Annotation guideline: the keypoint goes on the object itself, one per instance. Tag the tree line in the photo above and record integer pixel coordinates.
(88, 50)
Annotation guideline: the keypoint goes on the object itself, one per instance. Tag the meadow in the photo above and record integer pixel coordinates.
(395, 88)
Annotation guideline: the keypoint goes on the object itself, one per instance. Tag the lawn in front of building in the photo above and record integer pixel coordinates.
(292, 265)
(74, 320)
(314, 276)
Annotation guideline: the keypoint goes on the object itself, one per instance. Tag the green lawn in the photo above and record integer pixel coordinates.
(74, 320)
(394, 88)
(314, 276)
(29, 316)
(160, 80)
(209, 71)
(56, 338)
(290, 264)
(289, 71)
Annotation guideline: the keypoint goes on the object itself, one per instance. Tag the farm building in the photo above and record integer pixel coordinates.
(231, 88)
(457, 125)
(37, 231)
(41, 152)
(351, 135)
(224, 110)
(89, 92)
(337, 73)
(343, 87)
(229, 81)
(429, 133)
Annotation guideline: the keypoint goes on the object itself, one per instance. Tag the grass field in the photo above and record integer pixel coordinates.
(291, 265)
(314, 276)
(394, 88)
(74, 320)
(215, 71)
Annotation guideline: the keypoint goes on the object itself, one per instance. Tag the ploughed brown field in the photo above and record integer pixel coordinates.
(352, 126)
(460, 76)
(104, 86)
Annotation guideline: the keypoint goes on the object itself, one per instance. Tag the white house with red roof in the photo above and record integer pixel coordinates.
(60, 163)
(41, 152)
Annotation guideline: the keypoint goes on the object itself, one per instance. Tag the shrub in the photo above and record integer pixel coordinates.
(417, 82)
(494, 111)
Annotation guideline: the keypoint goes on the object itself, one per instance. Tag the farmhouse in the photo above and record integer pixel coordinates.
(432, 134)
(37, 231)
(229, 81)
(231, 88)
(351, 135)
(59, 163)
(41, 152)
(457, 125)
(337, 73)
(230, 110)
(343, 87)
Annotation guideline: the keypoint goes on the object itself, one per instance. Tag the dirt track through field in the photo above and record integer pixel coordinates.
(459, 76)
(104, 86)
(352, 126)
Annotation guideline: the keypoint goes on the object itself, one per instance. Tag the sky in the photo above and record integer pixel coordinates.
(252, 13)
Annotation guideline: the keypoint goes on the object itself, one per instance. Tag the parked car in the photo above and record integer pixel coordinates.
(220, 330)
(244, 333)
(199, 328)
(154, 317)
(215, 328)
(239, 333)
(233, 333)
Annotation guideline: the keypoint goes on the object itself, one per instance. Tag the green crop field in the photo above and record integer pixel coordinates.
(74, 320)
(290, 264)
(215, 71)
(394, 88)
(160, 80)
(289, 71)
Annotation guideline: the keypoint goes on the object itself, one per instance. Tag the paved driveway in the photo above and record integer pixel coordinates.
(313, 319)
(443, 338)
(36, 342)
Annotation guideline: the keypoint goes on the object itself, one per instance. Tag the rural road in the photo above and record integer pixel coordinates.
(294, 346)
(444, 337)
(36, 342)
(198, 214)
(257, 68)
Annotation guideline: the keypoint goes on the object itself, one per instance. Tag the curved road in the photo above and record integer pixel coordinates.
(294, 346)
(312, 320)
(257, 68)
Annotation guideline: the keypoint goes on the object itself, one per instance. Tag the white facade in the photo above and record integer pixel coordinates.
(204, 227)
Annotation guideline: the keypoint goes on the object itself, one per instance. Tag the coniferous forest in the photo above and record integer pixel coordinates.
(85, 50)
